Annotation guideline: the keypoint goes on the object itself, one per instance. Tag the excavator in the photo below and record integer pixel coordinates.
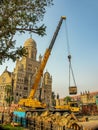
(30, 102)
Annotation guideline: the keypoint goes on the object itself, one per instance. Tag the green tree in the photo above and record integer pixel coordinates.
(58, 96)
(9, 94)
(53, 99)
(20, 16)
(67, 99)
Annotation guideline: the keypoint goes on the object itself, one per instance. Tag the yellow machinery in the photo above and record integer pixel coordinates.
(72, 106)
(30, 101)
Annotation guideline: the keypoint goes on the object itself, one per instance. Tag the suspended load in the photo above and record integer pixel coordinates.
(72, 90)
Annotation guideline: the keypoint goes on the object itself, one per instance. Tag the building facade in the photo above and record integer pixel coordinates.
(25, 70)
(24, 73)
(6, 80)
(86, 97)
(47, 89)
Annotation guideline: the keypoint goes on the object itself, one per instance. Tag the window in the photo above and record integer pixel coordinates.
(25, 88)
(74, 105)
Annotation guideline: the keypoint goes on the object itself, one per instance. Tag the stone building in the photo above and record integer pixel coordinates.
(25, 70)
(24, 74)
(6, 80)
(86, 97)
(47, 89)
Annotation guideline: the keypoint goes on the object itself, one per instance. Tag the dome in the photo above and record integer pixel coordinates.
(30, 42)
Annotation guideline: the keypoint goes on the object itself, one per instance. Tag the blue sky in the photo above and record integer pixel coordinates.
(82, 26)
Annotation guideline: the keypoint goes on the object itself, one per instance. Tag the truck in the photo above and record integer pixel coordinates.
(72, 106)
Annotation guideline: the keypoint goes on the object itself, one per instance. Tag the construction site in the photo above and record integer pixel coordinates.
(34, 114)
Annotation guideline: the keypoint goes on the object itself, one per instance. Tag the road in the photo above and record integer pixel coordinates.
(91, 124)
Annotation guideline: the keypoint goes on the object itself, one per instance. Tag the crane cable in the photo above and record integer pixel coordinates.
(69, 58)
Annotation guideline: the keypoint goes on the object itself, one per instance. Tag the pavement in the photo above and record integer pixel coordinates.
(91, 125)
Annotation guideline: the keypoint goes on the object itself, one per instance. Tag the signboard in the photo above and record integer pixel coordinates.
(72, 90)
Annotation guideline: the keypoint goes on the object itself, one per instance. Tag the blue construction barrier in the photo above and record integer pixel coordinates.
(20, 117)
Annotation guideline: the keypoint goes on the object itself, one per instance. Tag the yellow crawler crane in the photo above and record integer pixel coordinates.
(30, 101)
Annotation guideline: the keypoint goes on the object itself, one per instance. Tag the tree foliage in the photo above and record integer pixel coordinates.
(20, 16)
(9, 94)
(53, 99)
(67, 99)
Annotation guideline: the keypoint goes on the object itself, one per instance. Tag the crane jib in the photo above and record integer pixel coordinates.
(56, 33)
(45, 59)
